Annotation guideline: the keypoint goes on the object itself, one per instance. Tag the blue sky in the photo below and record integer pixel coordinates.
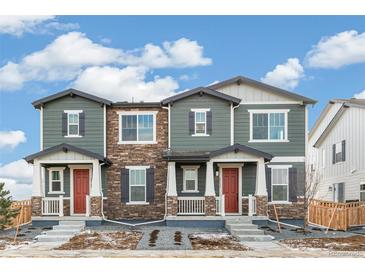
(319, 57)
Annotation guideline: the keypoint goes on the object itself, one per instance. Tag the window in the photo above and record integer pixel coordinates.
(190, 178)
(338, 152)
(279, 184)
(56, 180)
(137, 127)
(362, 191)
(137, 184)
(268, 125)
(73, 123)
(200, 122)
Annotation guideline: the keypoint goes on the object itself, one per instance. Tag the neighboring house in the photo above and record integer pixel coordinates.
(234, 139)
(234, 148)
(337, 151)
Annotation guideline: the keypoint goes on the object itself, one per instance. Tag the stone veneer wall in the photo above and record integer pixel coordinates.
(288, 211)
(210, 209)
(261, 205)
(95, 209)
(172, 205)
(135, 155)
(36, 206)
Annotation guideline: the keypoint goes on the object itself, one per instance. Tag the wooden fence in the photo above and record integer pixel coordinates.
(338, 216)
(25, 213)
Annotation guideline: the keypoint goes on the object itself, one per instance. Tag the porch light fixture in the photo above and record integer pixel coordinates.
(330, 188)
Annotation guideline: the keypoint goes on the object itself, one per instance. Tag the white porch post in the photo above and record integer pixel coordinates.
(37, 179)
(95, 181)
(261, 179)
(209, 180)
(61, 205)
(171, 179)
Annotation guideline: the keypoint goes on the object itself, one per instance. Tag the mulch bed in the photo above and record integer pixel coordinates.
(103, 240)
(215, 242)
(9, 241)
(352, 243)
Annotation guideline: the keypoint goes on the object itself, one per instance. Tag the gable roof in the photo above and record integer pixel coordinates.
(70, 92)
(201, 91)
(244, 80)
(346, 103)
(241, 148)
(65, 148)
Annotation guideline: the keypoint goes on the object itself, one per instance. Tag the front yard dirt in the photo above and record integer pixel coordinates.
(215, 242)
(6, 242)
(352, 243)
(103, 240)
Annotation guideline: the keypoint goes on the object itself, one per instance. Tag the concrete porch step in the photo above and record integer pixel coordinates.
(244, 232)
(252, 238)
(52, 238)
(68, 227)
(240, 220)
(241, 226)
(71, 222)
(61, 232)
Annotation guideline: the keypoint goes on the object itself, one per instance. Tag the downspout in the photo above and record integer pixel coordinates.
(232, 122)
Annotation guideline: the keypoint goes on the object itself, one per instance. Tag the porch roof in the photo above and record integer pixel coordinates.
(205, 156)
(65, 148)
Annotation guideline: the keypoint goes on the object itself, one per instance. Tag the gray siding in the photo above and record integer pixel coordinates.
(296, 130)
(94, 123)
(180, 138)
(249, 179)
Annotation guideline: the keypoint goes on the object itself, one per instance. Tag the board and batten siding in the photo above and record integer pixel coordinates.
(94, 124)
(296, 130)
(351, 128)
(180, 137)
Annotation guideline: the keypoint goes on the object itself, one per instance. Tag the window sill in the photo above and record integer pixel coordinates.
(73, 136)
(200, 135)
(137, 143)
(56, 192)
(268, 141)
(280, 203)
(190, 191)
(137, 203)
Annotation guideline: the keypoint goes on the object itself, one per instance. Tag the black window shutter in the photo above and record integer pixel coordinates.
(341, 192)
(64, 124)
(209, 122)
(268, 183)
(150, 179)
(124, 184)
(293, 185)
(334, 154)
(343, 150)
(82, 124)
(191, 122)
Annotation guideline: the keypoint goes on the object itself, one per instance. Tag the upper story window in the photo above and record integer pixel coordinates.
(73, 123)
(137, 127)
(190, 178)
(362, 191)
(268, 125)
(200, 122)
(339, 152)
(55, 180)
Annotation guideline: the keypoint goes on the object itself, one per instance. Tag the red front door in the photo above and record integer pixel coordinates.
(81, 189)
(230, 189)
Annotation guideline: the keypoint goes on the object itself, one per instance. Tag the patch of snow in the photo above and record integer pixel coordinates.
(207, 236)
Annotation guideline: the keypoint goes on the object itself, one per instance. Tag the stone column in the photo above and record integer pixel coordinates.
(37, 189)
(171, 189)
(95, 193)
(261, 191)
(209, 194)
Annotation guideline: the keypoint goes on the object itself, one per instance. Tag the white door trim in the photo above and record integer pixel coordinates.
(72, 168)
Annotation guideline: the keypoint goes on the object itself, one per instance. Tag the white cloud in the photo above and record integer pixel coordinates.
(360, 95)
(18, 25)
(122, 84)
(17, 176)
(10, 77)
(342, 49)
(286, 76)
(18, 191)
(10, 139)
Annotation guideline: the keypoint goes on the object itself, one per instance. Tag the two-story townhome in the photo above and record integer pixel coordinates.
(337, 151)
(236, 148)
(69, 172)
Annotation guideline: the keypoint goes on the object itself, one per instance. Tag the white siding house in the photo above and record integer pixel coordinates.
(337, 151)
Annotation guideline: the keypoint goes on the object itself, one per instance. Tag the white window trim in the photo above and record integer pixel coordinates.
(121, 113)
(195, 110)
(60, 169)
(361, 191)
(269, 111)
(68, 112)
(196, 168)
(145, 185)
(287, 189)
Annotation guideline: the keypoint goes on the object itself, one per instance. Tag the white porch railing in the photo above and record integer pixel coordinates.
(251, 205)
(88, 205)
(219, 205)
(190, 205)
(52, 206)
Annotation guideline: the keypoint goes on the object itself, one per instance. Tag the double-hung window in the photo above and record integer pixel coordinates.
(268, 125)
(362, 191)
(73, 123)
(56, 180)
(338, 152)
(190, 178)
(279, 184)
(137, 184)
(137, 127)
(200, 122)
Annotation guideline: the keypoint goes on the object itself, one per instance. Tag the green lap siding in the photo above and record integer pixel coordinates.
(249, 179)
(201, 181)
(296, 130)
(94, 123)
(180, 137)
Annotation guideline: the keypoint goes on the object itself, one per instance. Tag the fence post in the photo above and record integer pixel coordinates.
(60, 205)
